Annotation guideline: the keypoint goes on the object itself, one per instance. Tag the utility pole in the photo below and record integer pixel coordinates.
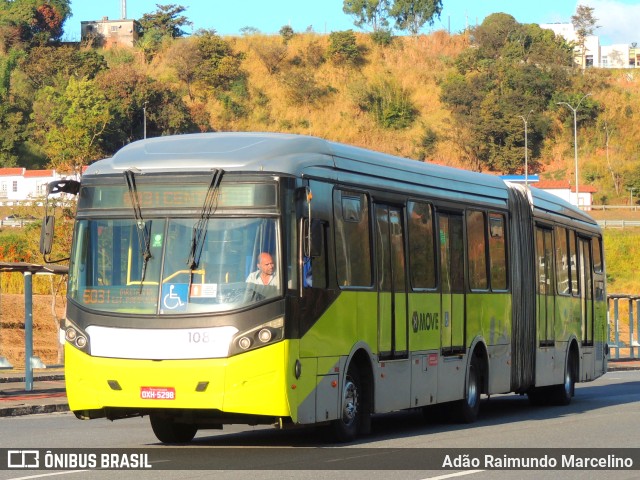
(575, 140)
(144, 113)
(526, 150)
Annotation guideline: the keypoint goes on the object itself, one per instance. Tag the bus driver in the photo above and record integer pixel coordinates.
(265, 275)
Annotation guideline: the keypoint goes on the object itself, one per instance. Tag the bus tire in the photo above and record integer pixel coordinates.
(167, 430)
(562, 394)
(347, 427)
(467, 409)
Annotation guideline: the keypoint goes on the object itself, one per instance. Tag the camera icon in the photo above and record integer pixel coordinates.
(23, 459)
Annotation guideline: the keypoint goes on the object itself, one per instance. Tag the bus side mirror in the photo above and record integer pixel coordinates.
(46, 234)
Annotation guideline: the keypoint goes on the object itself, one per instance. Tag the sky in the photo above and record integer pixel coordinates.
(617, 19)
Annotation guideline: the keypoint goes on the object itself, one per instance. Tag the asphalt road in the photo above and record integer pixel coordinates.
(604, 414)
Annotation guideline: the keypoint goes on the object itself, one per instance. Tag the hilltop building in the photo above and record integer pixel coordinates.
(596, 55)
(109, 33)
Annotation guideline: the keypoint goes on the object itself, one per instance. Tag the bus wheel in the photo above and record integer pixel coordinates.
(467, 409)
(347, 427)
(168, 430)
(562, 394)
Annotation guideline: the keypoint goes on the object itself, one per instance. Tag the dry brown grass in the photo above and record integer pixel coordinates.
(45, 329)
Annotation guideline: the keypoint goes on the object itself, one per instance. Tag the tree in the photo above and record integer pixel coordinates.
(411, 15)
(167, 20)
(70, 123)
(184, 57)
(46, 65)
(343, 48)
(32, 21)
(584, 24)
(368, 12)
(220, 66)
(514, 69)
(129, 92)
(287, 33)
(270, 53)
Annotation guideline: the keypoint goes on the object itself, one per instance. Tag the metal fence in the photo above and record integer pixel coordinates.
(624, 324)
(619, 223)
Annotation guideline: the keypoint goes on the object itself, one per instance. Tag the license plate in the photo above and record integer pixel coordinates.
(158, 393)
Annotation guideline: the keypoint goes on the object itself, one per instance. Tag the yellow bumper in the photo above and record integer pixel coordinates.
(251, 383)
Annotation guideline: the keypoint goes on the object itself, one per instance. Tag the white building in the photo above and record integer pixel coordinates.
(19, 184)
(592, 43)
(620, 55)
(564, 190)
(614, 56)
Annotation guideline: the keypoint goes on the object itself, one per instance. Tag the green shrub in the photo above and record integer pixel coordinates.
(343, 49)
(389, 103)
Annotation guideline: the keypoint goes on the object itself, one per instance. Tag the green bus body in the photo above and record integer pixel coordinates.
(399, 285)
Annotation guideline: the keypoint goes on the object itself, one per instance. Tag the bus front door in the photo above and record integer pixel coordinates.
(586, 306)
(452, 283)
(452, 367)
(391, 283)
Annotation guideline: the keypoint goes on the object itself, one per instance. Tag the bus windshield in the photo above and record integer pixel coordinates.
(238, 265)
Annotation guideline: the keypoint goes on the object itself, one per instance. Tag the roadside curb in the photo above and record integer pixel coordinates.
(623, 369)
(54, 377)
(32, 410)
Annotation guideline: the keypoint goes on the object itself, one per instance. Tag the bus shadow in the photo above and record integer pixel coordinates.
(497, 410)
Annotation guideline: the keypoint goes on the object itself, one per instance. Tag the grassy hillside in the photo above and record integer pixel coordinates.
(308, 94)
(295, 87)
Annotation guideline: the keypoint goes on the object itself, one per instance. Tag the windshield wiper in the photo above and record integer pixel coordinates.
(200, 227)
(144, 237)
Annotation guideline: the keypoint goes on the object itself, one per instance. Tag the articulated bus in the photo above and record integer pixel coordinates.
(393, 284)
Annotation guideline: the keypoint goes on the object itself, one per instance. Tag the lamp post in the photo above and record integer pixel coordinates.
(526, 150)
(144, 113)
(575, 140)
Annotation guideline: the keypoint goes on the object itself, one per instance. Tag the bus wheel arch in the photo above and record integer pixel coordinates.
(356, 399)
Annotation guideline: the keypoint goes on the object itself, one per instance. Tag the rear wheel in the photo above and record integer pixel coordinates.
(167, 430)
(347, 427)
(562, 394)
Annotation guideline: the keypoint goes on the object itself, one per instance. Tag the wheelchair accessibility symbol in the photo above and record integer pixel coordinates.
(175, 296)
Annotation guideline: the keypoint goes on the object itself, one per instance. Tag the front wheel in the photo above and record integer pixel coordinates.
(467, 409)
(347, 427)
(167, 430)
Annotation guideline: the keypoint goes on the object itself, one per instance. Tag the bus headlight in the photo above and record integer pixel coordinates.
(244, 343)
(257, 337)
(76, 337)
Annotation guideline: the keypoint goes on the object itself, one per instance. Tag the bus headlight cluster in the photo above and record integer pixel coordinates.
(258, 337)
(75, 336)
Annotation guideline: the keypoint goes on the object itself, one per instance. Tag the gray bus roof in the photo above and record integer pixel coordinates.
(304, 155)
(282, 153)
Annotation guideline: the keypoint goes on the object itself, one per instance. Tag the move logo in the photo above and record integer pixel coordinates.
(425, 321)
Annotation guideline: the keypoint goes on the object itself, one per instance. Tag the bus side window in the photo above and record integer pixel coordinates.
(476, 250)
(314, 258)
(422, 253)
(562, 261)
(352, 239)
(573, 251)
(597, 255)
(497, 252)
